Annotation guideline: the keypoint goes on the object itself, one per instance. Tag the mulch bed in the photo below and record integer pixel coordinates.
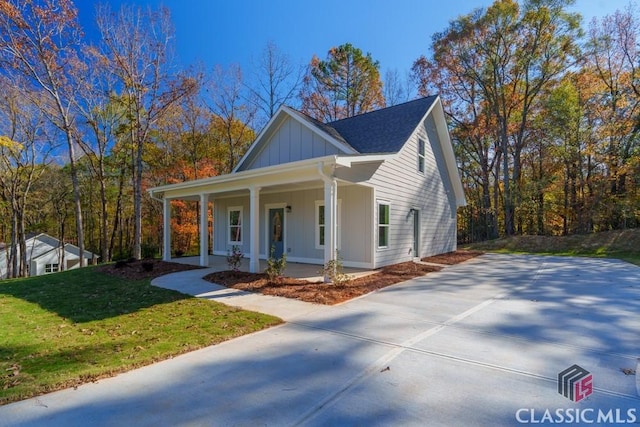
(329, 293)
(319, 292)
(143, 269)
(316, 292)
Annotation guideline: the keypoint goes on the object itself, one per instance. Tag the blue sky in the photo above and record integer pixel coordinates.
(395, 32)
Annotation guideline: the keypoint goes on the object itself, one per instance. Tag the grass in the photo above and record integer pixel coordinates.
(68, 328)
(621, 244)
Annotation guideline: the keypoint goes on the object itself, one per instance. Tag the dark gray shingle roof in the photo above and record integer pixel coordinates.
(381, 131)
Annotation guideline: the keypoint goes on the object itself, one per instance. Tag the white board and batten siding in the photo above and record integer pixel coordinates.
(291, 142)
(399, 183)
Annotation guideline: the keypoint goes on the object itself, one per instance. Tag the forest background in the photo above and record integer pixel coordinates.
(543, 112)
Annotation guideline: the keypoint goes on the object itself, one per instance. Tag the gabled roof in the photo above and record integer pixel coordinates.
(38, 245)
(369, 137)
(385, 130)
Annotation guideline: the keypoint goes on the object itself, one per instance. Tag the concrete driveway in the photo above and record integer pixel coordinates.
(480, 343)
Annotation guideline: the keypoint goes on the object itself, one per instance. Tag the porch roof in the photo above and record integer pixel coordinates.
(288, 174)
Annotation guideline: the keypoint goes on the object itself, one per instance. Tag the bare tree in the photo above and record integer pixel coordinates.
(102, 115)
(277, 81)
(136, 47)
(232, 122)
(396, 89)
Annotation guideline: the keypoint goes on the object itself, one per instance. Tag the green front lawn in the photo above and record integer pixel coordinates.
(68, 328)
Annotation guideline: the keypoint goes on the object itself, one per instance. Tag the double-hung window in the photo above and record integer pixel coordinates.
(235, 225)
(321, 222)
(383, 225)
(421, 154)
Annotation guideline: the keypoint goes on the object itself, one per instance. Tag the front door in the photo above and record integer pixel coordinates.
(276, 231)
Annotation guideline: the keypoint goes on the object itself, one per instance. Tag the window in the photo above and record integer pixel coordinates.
(235, 225)
(421, 155)
(320, 226)
(320, 223)
(383, 225)
(51, 268)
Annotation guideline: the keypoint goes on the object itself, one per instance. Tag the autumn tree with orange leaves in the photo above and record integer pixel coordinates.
(501, 59)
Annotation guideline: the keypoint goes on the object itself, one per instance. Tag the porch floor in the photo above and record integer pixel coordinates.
(311, 272)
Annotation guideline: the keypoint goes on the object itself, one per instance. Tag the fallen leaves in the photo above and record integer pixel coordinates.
(11, 378)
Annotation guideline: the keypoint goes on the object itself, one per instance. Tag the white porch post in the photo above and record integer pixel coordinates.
(254, 220)
(330, 220)
(204, 230)
(166, 229)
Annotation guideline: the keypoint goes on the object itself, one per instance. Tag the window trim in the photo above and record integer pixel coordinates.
(240, 225)
(380, 225)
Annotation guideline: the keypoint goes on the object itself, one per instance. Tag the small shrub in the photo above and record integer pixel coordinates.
(149, 250)
(334, 271)
(234, 258)
(179, 253)
(275, 266)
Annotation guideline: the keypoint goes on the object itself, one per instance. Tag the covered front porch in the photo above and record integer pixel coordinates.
(252, 196)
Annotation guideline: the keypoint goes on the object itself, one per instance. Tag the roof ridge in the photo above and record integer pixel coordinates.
(402, 104)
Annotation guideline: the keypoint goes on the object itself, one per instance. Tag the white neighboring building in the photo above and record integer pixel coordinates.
(46, 254)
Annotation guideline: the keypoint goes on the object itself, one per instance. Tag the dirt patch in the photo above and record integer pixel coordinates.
(329, 293)
(143, 269)
(452, 257)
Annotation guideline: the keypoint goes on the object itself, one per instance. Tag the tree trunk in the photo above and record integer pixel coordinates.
(137, 201)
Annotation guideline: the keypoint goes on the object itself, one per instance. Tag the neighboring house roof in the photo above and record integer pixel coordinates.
(39, 245)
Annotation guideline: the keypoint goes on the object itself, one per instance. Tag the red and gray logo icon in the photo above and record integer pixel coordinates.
(575, 383)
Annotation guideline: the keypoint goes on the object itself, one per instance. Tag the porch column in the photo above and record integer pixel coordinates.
(204, 230)
(330, 220)
(166, 229)
(254, 220)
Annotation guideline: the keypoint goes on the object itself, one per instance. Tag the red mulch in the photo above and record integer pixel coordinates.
(328, 293)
